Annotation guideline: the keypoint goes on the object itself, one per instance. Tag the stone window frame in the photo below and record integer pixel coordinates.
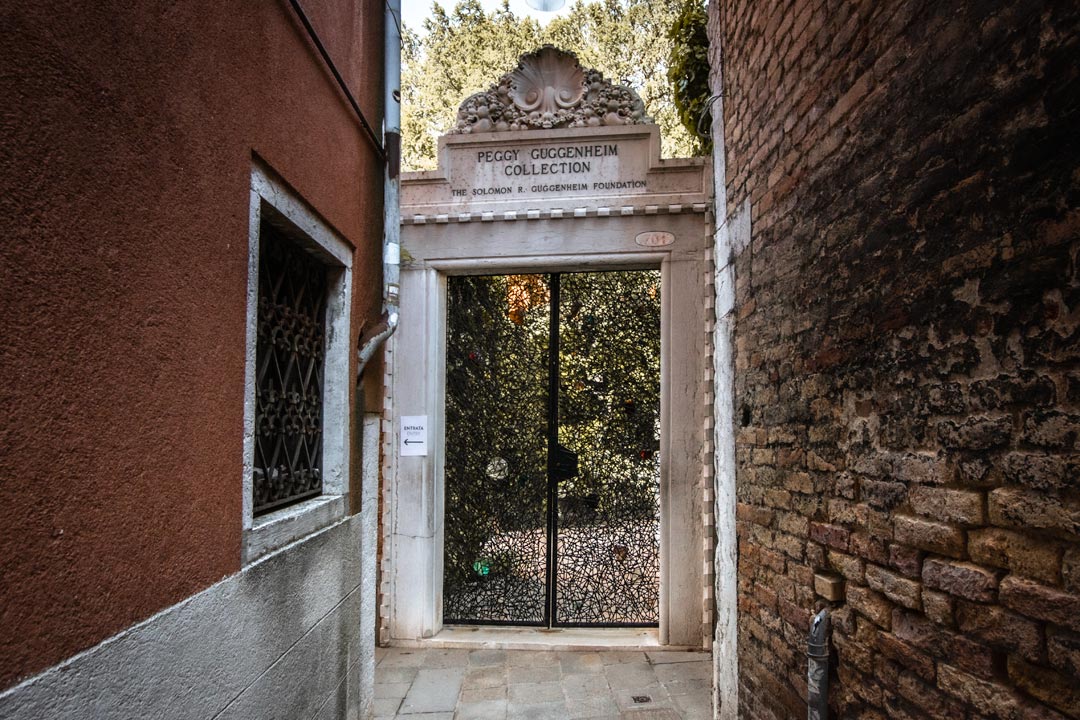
(277, 528)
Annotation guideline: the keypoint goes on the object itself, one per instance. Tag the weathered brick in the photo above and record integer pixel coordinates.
(869, 547)
(928, 698)
(899, 466)
(1052, 429)
(763, 456)
(998, 627)
(975, 434)
(845, 485)
(943, 643)
(816, 462)
(870, 605)
(958, 506)
(856, 92)
(790, 545)
(843, 512)
(944, 399)
(900, 590)
(843, 619)
(938, 606)
(988, 697)
(797, 616)
(792, 523)
(765, 596)
(917, 468)
(1063, 650)
(801, 574)
(834, 536)
(1005, 391)
(830, 587)
(869, 690)
(754, 514)
(1011, 507)
(882, 495)
(1039, 559)
(1040, 602)
(928, 535)
(779, 499)
(849, 566)
(808, 505)
(1041, 471)
(799, 482)
(975, 472)
(772, 560)
(961, 579)
(877, 523)
(1070, 570)
(906, 559)
(874, 464)
(910, 657)
(1052, 688)
(790, 457)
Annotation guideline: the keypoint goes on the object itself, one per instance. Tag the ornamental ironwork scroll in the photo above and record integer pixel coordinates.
(496, 480)
(289, 359)
(608, 561)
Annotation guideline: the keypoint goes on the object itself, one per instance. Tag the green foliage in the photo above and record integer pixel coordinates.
(688, 70)
(465, 50)
(496, 462)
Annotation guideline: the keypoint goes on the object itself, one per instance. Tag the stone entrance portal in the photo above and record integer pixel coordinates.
(553, 170)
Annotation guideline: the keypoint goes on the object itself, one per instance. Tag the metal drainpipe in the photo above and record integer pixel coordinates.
(817, 680)
(373, 339)
(391, 252)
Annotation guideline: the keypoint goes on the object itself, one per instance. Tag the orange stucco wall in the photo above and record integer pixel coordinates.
(130, 130)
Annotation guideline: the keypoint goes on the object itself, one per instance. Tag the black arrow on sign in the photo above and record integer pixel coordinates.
(414, 442)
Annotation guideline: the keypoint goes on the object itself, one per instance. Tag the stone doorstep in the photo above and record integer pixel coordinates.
(474, 637)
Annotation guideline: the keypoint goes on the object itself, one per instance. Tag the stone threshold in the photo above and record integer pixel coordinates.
(560, 639)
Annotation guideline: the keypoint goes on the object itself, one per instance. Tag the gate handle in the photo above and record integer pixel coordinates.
(564, 463)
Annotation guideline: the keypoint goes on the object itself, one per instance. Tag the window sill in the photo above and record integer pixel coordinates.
(277, 529)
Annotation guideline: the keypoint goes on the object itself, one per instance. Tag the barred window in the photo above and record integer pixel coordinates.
(289, 362)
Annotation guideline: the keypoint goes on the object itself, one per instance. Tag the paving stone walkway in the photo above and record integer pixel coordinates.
(542, 685)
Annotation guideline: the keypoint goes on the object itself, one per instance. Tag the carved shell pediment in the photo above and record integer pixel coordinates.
(549, 89)
(547, 83)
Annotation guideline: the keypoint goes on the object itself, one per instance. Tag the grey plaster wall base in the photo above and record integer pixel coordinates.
(280, 639)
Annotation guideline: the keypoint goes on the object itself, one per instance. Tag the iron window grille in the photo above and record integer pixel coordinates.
(289, 361)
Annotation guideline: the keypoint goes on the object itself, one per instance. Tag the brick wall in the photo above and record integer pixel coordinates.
(907, 351)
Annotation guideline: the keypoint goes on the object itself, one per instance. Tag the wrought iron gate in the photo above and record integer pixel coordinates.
(552, 432)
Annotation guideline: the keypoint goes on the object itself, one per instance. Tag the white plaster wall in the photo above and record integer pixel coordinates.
(280, 639)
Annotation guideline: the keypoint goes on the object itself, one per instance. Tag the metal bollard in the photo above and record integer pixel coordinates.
(817, 671)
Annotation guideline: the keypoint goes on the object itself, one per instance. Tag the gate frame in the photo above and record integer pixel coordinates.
(551, 483)
(414, 537)
(517, 238)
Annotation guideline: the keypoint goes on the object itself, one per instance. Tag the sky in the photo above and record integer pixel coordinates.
(413, 12)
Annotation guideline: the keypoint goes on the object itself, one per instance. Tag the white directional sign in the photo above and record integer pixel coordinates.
(413, 435)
